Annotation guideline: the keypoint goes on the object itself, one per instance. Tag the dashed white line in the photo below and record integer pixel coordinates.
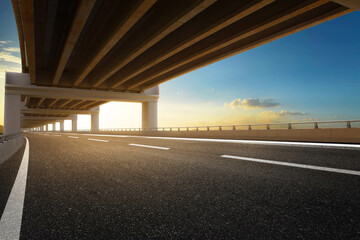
(256, 142)
(148, 146)
(10, 222)
(72, 137)
(98, 140)
(312, 167)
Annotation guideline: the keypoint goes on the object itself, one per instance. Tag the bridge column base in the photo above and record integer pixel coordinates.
(62, 126)
(149, 115)
(12, 114)
(74, 123)
(95, 120)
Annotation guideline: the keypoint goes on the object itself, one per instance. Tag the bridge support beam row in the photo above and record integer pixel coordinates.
(39, 118)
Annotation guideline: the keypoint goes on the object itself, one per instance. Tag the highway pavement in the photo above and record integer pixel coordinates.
(82, 186)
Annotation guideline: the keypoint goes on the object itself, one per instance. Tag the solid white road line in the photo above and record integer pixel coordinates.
(98, 140)
(72, 137)
(326, 169)
(147, 146)
(10, 222)
(256, 142)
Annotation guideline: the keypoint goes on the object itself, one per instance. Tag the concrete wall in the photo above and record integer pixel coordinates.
(335, 135)
(7, 149)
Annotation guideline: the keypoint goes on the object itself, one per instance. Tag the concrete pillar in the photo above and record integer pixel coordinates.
(95, 122)
(62, 126)
(74, 123)
(12, 114)
(46, 128)
(149, 115)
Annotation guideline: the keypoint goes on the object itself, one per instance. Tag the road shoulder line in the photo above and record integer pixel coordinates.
(10, 222)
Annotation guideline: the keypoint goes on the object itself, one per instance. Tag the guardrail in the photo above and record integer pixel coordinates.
(9, 137)
(265, 126)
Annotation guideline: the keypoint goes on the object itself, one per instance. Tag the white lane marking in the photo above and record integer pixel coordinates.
(312, 167)
(10, 222)
(148, 146)
(98, 140)
(257, 142)
(72, 137)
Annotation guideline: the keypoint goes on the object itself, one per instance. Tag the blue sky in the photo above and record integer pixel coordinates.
(315, 71)
(312, 74)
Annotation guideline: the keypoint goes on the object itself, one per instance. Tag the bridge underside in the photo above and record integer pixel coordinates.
(133, 46)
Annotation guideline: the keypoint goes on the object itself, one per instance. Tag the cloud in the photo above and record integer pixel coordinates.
(291, 113)
(11, 49)
(272, 116)
(7, 57)
(4, 68)
(4, 42)
(250, 103)
(7, 68)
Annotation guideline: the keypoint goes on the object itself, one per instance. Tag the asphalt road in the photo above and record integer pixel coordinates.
(99, 187)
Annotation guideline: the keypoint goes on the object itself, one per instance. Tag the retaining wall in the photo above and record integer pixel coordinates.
(8, 148)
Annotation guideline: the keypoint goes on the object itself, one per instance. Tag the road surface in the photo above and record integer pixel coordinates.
(126, 187)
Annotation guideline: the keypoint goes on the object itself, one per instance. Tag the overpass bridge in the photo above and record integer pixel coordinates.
(77, 55)
(212, 182)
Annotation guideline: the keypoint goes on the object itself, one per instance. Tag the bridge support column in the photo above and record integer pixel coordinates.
(62, 126)
(12, 114)
(95, 122)
(74, 123)
(149, 115)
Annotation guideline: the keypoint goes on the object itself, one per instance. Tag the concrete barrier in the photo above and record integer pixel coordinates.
(8, 148)
(334, 135)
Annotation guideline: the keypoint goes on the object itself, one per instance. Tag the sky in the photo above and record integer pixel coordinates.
(310, 75)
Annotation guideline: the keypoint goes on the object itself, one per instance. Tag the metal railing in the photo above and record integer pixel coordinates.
(264, 126)
(9, 137)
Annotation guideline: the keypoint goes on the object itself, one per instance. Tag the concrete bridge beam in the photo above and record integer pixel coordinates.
(353, 4)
